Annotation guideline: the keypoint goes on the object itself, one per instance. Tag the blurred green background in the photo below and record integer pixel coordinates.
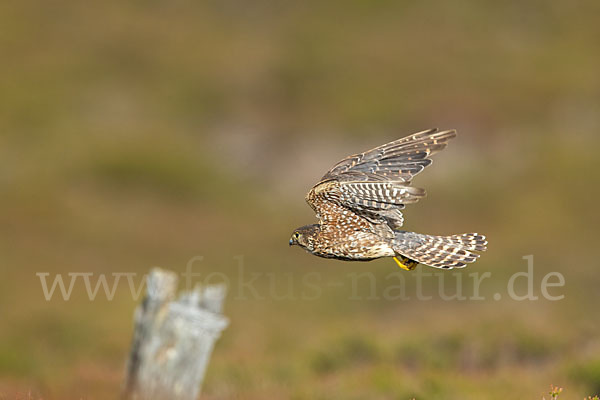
(144, 133)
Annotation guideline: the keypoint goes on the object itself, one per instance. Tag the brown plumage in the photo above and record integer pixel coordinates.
(359, 200)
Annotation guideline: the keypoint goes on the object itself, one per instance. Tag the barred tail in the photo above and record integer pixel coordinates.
(440, 251)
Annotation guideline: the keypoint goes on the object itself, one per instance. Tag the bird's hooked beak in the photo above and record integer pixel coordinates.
(291, 242)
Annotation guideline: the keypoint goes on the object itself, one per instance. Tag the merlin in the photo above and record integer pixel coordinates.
(359, 204)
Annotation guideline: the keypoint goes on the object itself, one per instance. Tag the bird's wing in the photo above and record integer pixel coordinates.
(376, 184)
(379, 202)
(399, 160)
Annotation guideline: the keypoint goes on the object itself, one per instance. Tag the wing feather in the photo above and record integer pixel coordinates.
(376, 183)
(401, 159)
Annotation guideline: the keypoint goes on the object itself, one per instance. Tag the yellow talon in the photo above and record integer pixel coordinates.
(406, 263)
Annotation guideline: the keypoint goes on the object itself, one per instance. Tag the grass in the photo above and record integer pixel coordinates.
(144, 134)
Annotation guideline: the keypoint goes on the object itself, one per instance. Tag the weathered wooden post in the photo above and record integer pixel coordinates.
(173, 339)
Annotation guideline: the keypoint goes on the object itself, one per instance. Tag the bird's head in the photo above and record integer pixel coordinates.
(305, 236)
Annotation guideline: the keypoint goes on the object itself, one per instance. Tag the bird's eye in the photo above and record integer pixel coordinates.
(296, 235)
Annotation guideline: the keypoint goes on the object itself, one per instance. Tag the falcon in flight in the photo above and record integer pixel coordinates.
(359, 205)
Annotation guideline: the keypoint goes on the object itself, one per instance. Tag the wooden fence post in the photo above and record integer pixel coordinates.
(173, 339)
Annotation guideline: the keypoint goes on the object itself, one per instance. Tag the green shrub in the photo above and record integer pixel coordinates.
(588, 374)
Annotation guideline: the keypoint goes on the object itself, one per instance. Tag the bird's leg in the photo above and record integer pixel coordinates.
(406, 263)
